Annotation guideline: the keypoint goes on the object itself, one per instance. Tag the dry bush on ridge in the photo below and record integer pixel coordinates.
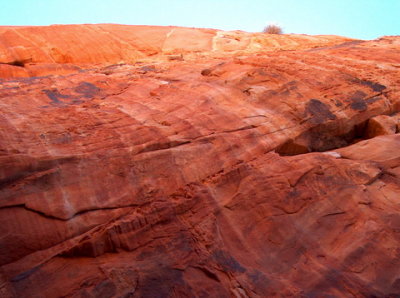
(273, 29)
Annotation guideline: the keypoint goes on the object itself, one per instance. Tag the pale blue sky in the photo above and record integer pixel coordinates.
(364, 19)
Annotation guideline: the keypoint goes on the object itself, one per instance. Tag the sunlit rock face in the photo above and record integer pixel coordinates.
(140, 161)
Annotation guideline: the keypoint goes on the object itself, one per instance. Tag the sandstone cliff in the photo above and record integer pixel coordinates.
(140, 161)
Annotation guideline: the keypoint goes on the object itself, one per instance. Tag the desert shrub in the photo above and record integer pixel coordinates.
(273, 29)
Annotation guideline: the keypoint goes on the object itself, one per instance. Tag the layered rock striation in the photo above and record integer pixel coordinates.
(142, 161)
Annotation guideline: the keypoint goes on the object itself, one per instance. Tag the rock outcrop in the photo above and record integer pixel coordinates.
(66, 49)
(142, 161)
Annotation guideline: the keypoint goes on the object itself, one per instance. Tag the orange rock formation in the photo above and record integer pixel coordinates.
(140, 161)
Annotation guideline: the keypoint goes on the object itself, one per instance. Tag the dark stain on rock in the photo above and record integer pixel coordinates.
(227, 262)
(321, 142)
(259, 280)
(105, 289)
(333, 280)
(84, 89)
(396, 285)
(355, 261)
(347, 44)
(319, 111)
(88, 90)
(160, 282)
(269, 93)
(25, 274)
(373, 99)
(376, 87)
(285, 92)
(292, 85)
(206, 72)
(338, 103)
(357, 101)
(148, 68)
(359, 105)
(287, 88)
(55, 96)
(358, 95)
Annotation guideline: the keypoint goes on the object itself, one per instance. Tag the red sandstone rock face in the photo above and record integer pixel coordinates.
(234, 170)
(63, 49)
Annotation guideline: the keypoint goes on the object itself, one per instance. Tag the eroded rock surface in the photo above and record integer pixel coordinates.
(243, 167)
